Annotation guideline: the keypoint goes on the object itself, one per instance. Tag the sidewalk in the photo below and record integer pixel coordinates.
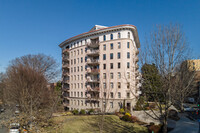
(185, 125)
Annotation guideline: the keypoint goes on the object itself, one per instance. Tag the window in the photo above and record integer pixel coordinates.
(104, 85)
(104, 47)
(128, 55)
(111, 36)
(111, 46)
(71, 78)
(74, 53)
(81, 68)
(111, 94)
(71, 94)
(128, 95)
(111, 104)
(81, 77)
(78, 60)
(81, 94)
(74, 61)
(74, 77)
(81, 51)
(128, 44)
(129, 35)
(78, 94)
(119, 65)
(104, 66)
(85, 59)
(111, 75)
(119, 45)
(104, 75)
(119, 75)
(74, 94)
(111, 55)
(128, 85)
(118, 55)
(119, 35)
(128, 64)
(104, 37)
(111, 65)
(74, 69)
(119, 95)
(71, 62)
(128, 75)
(78, 79)
(71, 53)
(81, 103)
(111, 85)
(118, 85)
(104, 56)
(78, 69)
(74, 86)
(81, 85)
(104, 94)
(78, 52)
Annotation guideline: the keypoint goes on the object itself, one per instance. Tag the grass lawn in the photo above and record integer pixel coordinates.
(90, 124)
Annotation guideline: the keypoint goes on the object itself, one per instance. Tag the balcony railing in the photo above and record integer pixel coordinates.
(66, 74)
(66, 81)
(92, 52)
(94, 89)
(93, 71)
(66, 58)
(65, 66)
(65, 104)
(136, 59)
(89, 79)
(92, 61)
(137, 52)
(93, 44)
(66, 51)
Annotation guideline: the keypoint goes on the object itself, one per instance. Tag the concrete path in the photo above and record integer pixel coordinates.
(185, 125)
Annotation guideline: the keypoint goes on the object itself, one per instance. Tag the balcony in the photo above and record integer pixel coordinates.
(65, 104)
(136, 66)
(89, 79)
(66, 51)
(93, 44)
(65, 66)
(136, 59)
(66, 74)
(92, 61)
(137, 52)
(94, 89)
(65, 58)
(65, 88)
(93, 71)
(92, 52)
(66, 81)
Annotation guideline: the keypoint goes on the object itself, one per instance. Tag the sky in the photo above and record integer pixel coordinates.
(39, 26)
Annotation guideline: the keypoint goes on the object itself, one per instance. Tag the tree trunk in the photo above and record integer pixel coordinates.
(165, 125)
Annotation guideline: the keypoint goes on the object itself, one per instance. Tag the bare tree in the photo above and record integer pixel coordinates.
(166, 48)
(26, 85)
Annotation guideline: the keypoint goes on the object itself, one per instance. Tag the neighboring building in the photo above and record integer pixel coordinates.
(193, 65)
(100, 68)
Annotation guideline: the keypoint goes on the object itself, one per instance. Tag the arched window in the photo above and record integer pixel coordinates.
(129, 35)
(104, 37)
(111, 36)
(119, 35)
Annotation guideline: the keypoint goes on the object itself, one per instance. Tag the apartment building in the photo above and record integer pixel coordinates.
(100, 70)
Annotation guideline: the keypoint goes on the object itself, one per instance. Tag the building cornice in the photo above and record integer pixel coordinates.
(103, 30)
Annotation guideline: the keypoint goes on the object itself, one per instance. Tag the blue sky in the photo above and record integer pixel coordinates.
(39, 26)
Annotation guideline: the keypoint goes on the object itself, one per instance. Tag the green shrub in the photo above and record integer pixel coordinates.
(121, 111)
(75, 112)
(91, 111)
(82, 112)
(126, 118)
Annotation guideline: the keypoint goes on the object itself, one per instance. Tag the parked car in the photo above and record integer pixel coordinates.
(14, 128)
(186, 108)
